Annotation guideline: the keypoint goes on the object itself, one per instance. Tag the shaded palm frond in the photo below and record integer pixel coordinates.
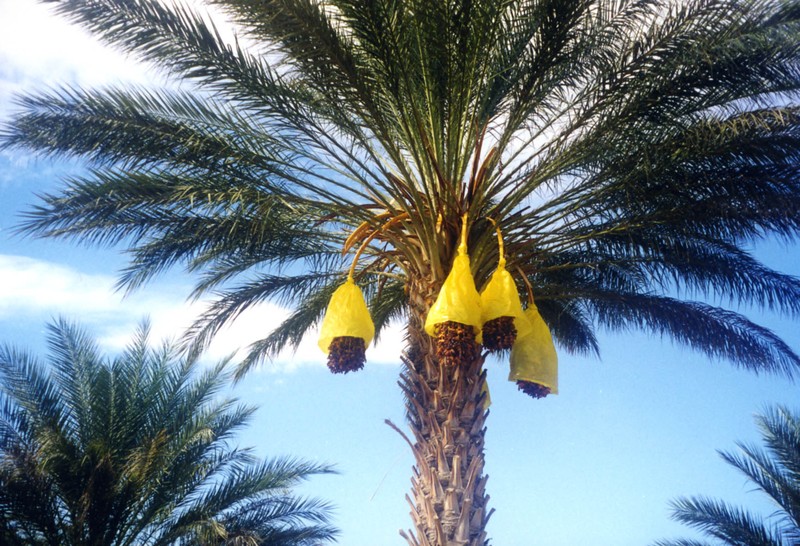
(717, 332)
(728, 524)
(773, 470)
(134, 449)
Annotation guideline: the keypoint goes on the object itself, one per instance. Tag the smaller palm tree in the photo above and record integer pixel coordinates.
(137, 451)
(775, 471)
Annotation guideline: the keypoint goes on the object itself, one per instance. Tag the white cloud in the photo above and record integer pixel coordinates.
(39, 49)
(36, 289)
(31, 284)
(36, 44)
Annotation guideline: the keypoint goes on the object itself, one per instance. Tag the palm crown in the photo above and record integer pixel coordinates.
(137, 450)
(629, 152)
(627, 149)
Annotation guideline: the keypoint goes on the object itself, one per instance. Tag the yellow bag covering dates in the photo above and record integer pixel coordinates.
(533, 357)
(347, 316)
(458, 300)
(500, 297)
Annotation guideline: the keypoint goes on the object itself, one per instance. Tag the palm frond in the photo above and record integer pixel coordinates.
(290, 332)
(717, 332)
(773, 470)
(135, 450)
(626, 146)
(730, 525)
(681, 542)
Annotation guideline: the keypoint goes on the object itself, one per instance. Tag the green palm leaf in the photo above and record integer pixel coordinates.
(137, 451)
(774, 471)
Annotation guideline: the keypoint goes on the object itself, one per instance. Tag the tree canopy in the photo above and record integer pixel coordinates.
(138, 450)
(631, 151)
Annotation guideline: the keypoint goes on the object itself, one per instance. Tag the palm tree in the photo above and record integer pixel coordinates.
(629, 151)
(774, 471)
(137, 451)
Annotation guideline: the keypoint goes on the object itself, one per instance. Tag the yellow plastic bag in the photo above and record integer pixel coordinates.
(500, 306)
(533, 357)
(458, 300)
(347, 316)
(500, 297)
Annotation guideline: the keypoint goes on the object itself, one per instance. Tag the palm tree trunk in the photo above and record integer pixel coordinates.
(446, 413)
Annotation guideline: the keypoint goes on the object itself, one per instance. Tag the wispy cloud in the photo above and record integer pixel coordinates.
(31, 285)
(34, 290)
(54, 50)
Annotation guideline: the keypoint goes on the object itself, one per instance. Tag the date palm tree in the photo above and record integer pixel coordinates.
(137, 450)
(629, 151)
(774, 471)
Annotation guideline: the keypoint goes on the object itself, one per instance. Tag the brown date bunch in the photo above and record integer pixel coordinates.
(499, 334)
(534, 390)
(455, 342)
(346, 354)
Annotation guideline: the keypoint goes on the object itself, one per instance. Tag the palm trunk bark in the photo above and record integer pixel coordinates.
(446, 413)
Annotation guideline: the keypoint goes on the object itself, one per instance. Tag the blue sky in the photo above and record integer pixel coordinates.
(596, 464)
